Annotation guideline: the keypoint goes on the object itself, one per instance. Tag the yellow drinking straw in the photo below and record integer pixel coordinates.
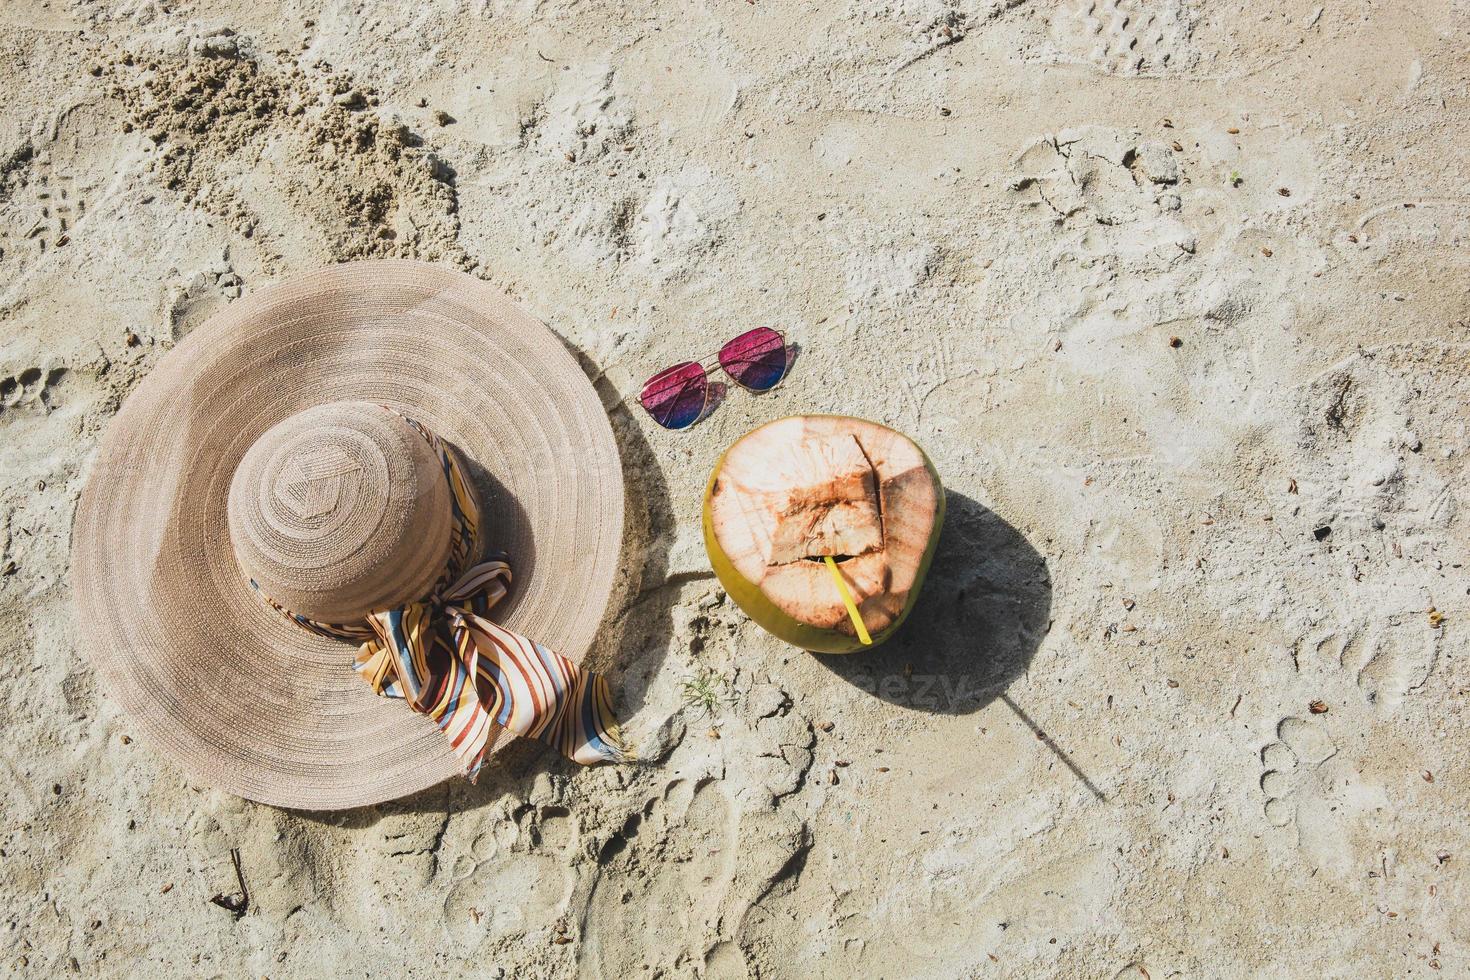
(852, 609)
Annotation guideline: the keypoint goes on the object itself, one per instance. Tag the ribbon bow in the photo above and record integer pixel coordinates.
(472, 677)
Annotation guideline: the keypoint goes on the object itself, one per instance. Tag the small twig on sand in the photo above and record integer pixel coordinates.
(238, 902)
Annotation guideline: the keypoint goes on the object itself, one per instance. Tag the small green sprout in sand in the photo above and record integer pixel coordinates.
(1236, 179)
(707, 691)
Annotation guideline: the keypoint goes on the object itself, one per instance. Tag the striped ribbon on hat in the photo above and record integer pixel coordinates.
(471, 676)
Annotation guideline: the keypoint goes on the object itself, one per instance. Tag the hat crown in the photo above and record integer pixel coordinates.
(341, 510)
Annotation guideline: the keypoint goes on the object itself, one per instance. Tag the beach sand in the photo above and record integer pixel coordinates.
(1174, 295)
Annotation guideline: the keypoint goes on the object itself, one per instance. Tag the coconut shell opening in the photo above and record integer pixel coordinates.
(793, 492)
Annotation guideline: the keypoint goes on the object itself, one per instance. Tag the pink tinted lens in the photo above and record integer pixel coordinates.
(756, 359)
(676, 396)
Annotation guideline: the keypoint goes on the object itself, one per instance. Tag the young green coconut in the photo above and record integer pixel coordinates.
(804, 509)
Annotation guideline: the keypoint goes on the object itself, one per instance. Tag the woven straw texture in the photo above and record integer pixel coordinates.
(341, 510)
(210, 675)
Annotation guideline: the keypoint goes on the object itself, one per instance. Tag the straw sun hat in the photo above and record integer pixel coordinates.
(319, 452)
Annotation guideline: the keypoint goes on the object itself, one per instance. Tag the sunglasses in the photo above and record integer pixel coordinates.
(677, 397)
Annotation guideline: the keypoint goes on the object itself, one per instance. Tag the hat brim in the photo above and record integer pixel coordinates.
(241, 698)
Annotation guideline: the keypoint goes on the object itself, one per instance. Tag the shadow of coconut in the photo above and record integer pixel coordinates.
(984, 609)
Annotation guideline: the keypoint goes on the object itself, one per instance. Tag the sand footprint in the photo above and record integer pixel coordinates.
(33, 227)
(1123, 37)
(33, 389)
(517, 878)
(1108, 176)
(1302, 746)
(49, 186)
(1318, 792)
(1426, 222)
(673, 871)
(1387, 660)
(1158, 38)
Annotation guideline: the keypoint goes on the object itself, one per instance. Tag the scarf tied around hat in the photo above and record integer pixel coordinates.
(473, 677)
